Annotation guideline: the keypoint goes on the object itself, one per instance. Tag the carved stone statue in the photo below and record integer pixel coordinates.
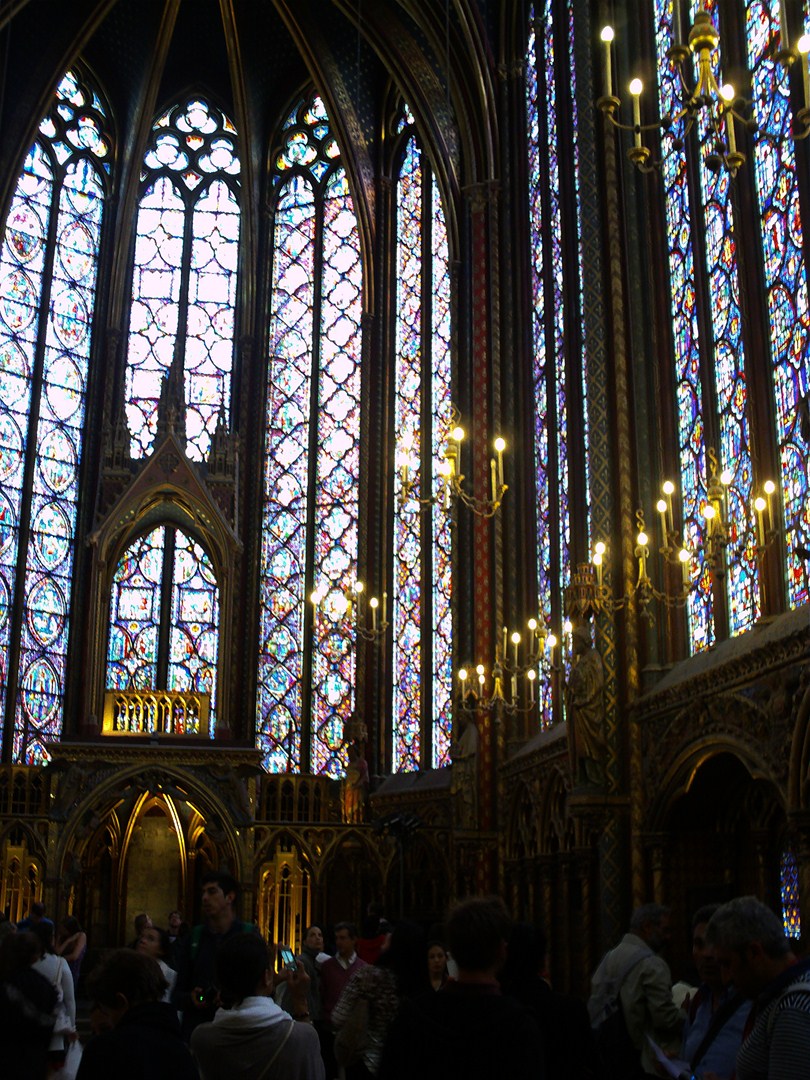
(464, 773)
(355, 787)
(585, 701)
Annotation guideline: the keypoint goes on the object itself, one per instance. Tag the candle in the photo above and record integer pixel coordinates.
(500, 446)
(598, 552)
(769, 488)
(635, 92)
(677, 35)
(516, 643)
(607, 37)
(530, 675)
(728, 96)
(373, 603)
(641, 551)
(685, 558)
(463, 677)
(661, 506)
(505, 639)
(759, 506)
(709, 514)
(384, 607)
(493, 482)
(669, 488)
(514, 689)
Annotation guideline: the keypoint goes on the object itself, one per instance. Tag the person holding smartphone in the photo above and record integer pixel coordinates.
(309, 957)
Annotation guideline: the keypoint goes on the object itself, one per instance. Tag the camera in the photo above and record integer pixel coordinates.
(208, 995)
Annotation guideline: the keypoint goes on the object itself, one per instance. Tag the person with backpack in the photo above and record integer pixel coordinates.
(631, 998)
(195, 992)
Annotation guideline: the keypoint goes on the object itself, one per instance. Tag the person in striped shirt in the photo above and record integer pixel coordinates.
(755, 956)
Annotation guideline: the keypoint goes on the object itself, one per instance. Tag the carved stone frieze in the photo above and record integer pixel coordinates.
(757, 718)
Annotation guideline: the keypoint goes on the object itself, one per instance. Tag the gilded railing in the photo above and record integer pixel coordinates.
(160, 712)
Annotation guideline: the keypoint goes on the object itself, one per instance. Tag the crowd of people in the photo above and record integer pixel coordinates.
(469, 999)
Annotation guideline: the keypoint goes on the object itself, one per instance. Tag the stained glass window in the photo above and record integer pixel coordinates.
(789, 886)
(730, 388)
(422, 629)
(711, 375)
(785, 278)
(184, 280)
(48, 269)
(556, 300)
(164, 617)
(312, 454)
(689, 389)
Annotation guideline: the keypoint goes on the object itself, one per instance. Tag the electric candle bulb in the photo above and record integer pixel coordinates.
(607, 38)
(635, 89)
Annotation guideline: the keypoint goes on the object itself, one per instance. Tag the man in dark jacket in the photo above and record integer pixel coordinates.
(195, 992)
(568, 1041)
(143, 1038)
(468, 1028)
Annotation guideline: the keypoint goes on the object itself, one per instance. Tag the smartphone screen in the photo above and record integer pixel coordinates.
(287, 957)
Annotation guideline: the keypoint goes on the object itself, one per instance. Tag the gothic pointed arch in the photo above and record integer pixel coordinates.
(168, 490)
(197, 802)
(49, 277)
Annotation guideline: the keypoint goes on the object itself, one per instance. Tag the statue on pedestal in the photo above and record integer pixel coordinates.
(464, 772)
(355, 787)
(585, 703)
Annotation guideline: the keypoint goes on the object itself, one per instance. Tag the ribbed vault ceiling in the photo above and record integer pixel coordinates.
(253, 57)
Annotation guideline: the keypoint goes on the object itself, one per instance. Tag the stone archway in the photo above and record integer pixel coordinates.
(125, 826)
(718, 833)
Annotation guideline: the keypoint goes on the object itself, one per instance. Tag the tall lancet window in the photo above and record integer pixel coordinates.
(48, 271)
(709, 207)
(422, 618)
(716, 355)
(785, 276)
(164, 617)
(312, 453)
(559, 353)
(184, 279)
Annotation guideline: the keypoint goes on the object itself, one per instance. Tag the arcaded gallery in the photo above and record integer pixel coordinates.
(405, 459)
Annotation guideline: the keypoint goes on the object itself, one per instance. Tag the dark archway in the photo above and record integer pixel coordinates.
(720, 837)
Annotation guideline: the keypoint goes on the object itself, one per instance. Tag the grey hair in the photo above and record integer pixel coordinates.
(743, 920)
(648, 913)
